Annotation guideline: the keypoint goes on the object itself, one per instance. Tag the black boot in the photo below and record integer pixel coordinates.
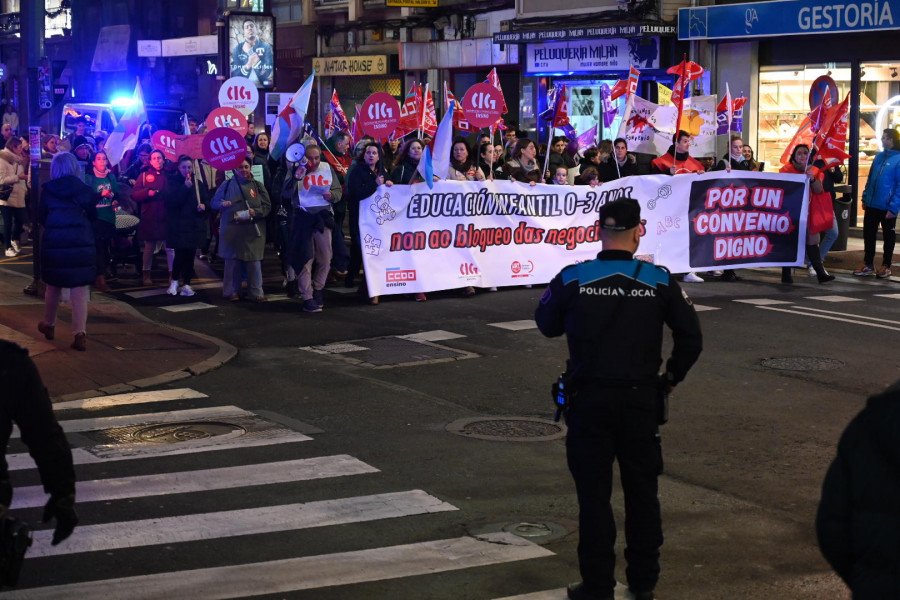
(815, 259)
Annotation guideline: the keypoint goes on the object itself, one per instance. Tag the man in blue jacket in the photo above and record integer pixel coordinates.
(881, 199)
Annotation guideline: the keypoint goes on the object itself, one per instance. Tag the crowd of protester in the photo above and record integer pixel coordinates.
(149, 208)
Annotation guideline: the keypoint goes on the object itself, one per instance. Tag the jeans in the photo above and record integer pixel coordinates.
(10, 215)
(875, 217)
(231, 279)
(828, 239)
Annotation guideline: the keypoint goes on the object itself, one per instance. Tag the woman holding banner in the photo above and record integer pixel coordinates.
(489, 166)
(462, 168)
(818, 219)
(735, 157)
(406, 170)
(522, 165)
(362, 182)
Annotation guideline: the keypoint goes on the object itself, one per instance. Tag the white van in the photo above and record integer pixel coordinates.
(104, 117)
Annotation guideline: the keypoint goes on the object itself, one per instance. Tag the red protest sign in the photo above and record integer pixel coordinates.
(379, 115)
(483, 104)
(164, 141)
(226, 116)
(224, 148)
(190, 145)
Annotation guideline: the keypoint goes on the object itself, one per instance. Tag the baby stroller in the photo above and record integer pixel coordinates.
(125, 248)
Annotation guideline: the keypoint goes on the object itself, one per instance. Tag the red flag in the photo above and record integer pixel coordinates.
(561, 114)
(354, 127)
(687, 71)
(329, 123)
(831, 143)
(619, 89)
(337, 114)
(633, 76)
(459, 116)
(494, 80)
(804, 135)
(429, 116)
(409, 114)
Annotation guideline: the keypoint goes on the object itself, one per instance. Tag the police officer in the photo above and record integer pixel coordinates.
(612, 311)
(24, 399)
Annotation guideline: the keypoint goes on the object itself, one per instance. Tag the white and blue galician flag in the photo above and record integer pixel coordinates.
(125, 134)
(426, 166)
(289, 123)
(439, 161)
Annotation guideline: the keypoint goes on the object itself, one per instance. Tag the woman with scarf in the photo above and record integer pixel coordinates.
(462, 168)
(106, 188)
(244, 203)
(13, 177)
(185, 224)
(364, 179)
(734, 160)
(405, 172)
(522, 165)
(150, 190)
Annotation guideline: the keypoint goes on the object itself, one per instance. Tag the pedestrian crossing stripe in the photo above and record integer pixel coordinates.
(100, 402)
(103, 490)
(303, 573)
(515, 325)
(230, 523)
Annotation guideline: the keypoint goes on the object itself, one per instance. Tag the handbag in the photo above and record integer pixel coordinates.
(5, 192)
(821, 212)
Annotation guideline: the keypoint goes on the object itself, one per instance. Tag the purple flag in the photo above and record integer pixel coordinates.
(609, 111)
(737, 121)
(588, 139)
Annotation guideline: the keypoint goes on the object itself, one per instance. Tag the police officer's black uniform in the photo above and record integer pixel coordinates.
(24, 400)
(612, 311)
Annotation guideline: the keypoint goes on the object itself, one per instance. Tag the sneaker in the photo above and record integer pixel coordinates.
(692, 278)
(15, 246)
(420, 297)
(812, 271)
(884, 271)
(864, 271)
(187, 291)
(319, 298)
(173, 289)
(10, 252)
(310, 306)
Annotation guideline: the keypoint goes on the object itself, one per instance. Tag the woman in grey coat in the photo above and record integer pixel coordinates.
(244, 204)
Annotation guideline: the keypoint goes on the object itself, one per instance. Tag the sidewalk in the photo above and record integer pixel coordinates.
(125, 350)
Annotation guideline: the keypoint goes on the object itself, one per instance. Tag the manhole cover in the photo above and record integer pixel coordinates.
(538, 532)
(802, 363)
(508, 429)
(390, 351)
(172, 433)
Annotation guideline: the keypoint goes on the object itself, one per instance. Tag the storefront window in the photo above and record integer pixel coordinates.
(784, 102)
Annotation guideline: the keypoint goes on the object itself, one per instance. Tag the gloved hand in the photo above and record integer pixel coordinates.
(6, 493)
(63, 509)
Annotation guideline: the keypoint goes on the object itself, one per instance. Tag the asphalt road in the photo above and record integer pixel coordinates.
(746, 449)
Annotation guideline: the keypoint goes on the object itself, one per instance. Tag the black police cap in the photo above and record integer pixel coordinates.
(620, 215)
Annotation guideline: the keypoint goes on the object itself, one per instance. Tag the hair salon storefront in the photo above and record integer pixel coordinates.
(788, 45)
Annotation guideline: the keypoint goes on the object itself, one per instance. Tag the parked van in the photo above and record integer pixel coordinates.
(104, 117)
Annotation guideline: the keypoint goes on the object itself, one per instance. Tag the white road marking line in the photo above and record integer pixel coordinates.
(187, 307)
(80, 456)
(306, 469)
(431, 336)
(192, 414)
(130, 398)
(834, 298)
(894, 296)
(230, 523)
(309, 572)
(843, 314)
(621, 593)
(701, 308)
(807, 314)
(763, 301)
(516, 325)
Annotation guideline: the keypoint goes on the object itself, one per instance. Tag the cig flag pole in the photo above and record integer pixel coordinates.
(125, 135)
(289, 123)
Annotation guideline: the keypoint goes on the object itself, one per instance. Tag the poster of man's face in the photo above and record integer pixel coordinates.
(251, 40)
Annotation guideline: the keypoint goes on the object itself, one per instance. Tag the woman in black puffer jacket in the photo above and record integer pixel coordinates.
(68, 251)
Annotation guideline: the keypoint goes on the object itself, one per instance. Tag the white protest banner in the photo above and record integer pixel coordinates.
(501, 233)
(650, 127)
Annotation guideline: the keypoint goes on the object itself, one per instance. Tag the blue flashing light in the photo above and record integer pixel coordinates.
(122, 101)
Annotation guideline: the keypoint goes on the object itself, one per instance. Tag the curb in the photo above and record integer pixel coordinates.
(225, 353)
